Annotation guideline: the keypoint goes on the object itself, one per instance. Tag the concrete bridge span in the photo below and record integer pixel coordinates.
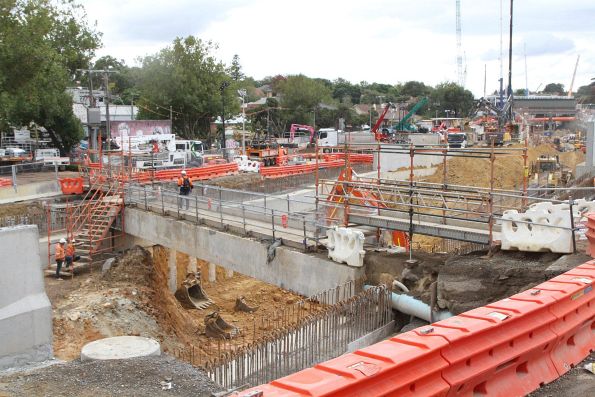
(304, 273)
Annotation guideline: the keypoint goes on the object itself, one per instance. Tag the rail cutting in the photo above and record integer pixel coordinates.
(507, 348)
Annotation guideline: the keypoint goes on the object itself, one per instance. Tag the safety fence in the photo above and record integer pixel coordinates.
(308, 332)
(507, 348)
(275, 216)
(57, 220)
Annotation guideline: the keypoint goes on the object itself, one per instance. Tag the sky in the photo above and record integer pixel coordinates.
(383, 41)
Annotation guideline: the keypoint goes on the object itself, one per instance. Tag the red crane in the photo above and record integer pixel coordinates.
(379, 135)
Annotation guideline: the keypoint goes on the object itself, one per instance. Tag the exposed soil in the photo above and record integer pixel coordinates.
(132, 377)
(133, 298)
(508, 169)
(21, 209)
(474, 280)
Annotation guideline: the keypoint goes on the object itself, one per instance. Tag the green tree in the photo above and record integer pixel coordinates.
(554, 88)
(235, 70)
(42, 44)
(451, 96)
(187, 77)
(344, 91)
(586, 93)
(301, 92)
(519, 92)
(415, 89)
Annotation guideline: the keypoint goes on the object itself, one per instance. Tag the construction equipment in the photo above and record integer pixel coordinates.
(381, 136)
(573, 76)
(191, 295)
(264, 150)
(548, 172)
(242, 306)
(217, 327)
(404, 124)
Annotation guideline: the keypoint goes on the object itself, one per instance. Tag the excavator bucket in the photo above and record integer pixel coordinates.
(242, 306)
(191, 295)
(217, 327)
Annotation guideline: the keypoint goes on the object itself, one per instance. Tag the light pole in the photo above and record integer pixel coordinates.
(224, 85)
(242, 94)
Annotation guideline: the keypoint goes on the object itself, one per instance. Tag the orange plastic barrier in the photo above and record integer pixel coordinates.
(591, 234)
(208, 171)
(287, 170)
(575, 310)
(353, 157)
(507, 348)
(5, 182)
(71, 185)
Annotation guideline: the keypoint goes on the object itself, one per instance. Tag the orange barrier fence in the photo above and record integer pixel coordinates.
(353, 157)
(590, 234)
(71, 185)
(507, 348)
(5, 182)
(286, 170)
(208, 171)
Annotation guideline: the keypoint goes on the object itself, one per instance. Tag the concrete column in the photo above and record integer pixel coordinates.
(212, 272)
(228, 273)
(191, 264)
(173, 271)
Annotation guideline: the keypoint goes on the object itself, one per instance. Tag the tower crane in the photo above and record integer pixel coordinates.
(573, 76)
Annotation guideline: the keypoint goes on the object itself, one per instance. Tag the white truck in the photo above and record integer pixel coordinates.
(51, 157)
(329, 139)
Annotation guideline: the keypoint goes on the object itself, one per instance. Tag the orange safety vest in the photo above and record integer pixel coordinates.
(181, 181)
(60, 251)
(70, 250)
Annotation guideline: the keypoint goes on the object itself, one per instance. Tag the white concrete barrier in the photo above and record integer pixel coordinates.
(247, 165)
(543, 227)
(346, 246)
(25, 311)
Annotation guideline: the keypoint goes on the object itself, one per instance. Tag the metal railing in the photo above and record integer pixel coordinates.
(275, 216)
(57, 220)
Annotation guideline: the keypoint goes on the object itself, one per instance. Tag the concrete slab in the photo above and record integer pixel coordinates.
(30, 191)
(120, 347)
(25, 310)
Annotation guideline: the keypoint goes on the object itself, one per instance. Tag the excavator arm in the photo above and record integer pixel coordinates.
(378, 135)
(403, 123)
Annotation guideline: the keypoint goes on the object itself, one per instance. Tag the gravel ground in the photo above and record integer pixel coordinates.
(132, 377)
(577, 382)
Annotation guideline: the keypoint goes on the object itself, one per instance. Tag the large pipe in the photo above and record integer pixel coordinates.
(414, 307)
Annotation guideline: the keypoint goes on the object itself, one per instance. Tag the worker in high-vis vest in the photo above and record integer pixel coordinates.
(60, 255)
(186, 186)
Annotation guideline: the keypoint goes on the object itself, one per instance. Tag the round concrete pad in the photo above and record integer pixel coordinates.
(120, 347)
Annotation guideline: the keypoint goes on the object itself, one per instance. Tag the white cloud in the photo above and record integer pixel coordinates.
(379, 40)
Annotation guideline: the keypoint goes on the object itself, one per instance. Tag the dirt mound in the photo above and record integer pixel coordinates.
(21, 209)
(134, 265)
(469, 281)
(508, 169)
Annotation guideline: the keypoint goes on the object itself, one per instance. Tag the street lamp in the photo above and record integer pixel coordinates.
(224, 85)
(242, 94)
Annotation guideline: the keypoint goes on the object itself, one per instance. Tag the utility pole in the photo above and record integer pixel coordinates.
(171, 118)
(224, 85)
(510, 96)
(242, 94)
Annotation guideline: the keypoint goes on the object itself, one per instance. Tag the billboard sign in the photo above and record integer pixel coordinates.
(138, 128)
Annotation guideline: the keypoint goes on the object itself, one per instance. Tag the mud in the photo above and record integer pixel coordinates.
(473, 280)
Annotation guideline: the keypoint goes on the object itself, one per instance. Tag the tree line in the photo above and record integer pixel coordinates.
(44, 44)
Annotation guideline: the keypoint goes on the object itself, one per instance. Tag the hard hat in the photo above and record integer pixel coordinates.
(62, 240)
(73, 241)
(183, 172)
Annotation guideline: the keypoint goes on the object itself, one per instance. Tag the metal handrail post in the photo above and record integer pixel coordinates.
(146, 203)
(196, 206)
(273, 222)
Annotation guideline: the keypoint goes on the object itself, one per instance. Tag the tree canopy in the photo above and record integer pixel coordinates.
(187, 77)
(554, 88)
(42, 44)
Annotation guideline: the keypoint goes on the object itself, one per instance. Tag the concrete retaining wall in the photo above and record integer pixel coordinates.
(30, 191)
(25, 311)
(303, 273)
(394, 161)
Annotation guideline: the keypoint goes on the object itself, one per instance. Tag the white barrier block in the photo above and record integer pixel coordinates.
(346, 246)
(532, 231)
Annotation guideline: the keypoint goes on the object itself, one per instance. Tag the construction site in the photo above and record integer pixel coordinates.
(349, 241)
(253, 281)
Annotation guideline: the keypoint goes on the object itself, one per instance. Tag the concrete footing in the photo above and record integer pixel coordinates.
(120, 347)
(25, 311)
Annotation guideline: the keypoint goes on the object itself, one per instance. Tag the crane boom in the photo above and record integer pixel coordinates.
(374, 130)
(573, 76)
(403, 124)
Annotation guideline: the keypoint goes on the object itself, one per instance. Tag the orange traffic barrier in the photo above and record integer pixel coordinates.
(208, 171)
(507, 348)
(406, 365)
(287, 170)
(71, 185)
(575, 310)
(590, 234)
(5, 182)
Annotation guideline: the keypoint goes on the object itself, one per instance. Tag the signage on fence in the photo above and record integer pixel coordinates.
(135, 128)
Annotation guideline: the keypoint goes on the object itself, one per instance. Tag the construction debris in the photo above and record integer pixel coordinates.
(217, 327)
(191, 295)
(242, 306)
